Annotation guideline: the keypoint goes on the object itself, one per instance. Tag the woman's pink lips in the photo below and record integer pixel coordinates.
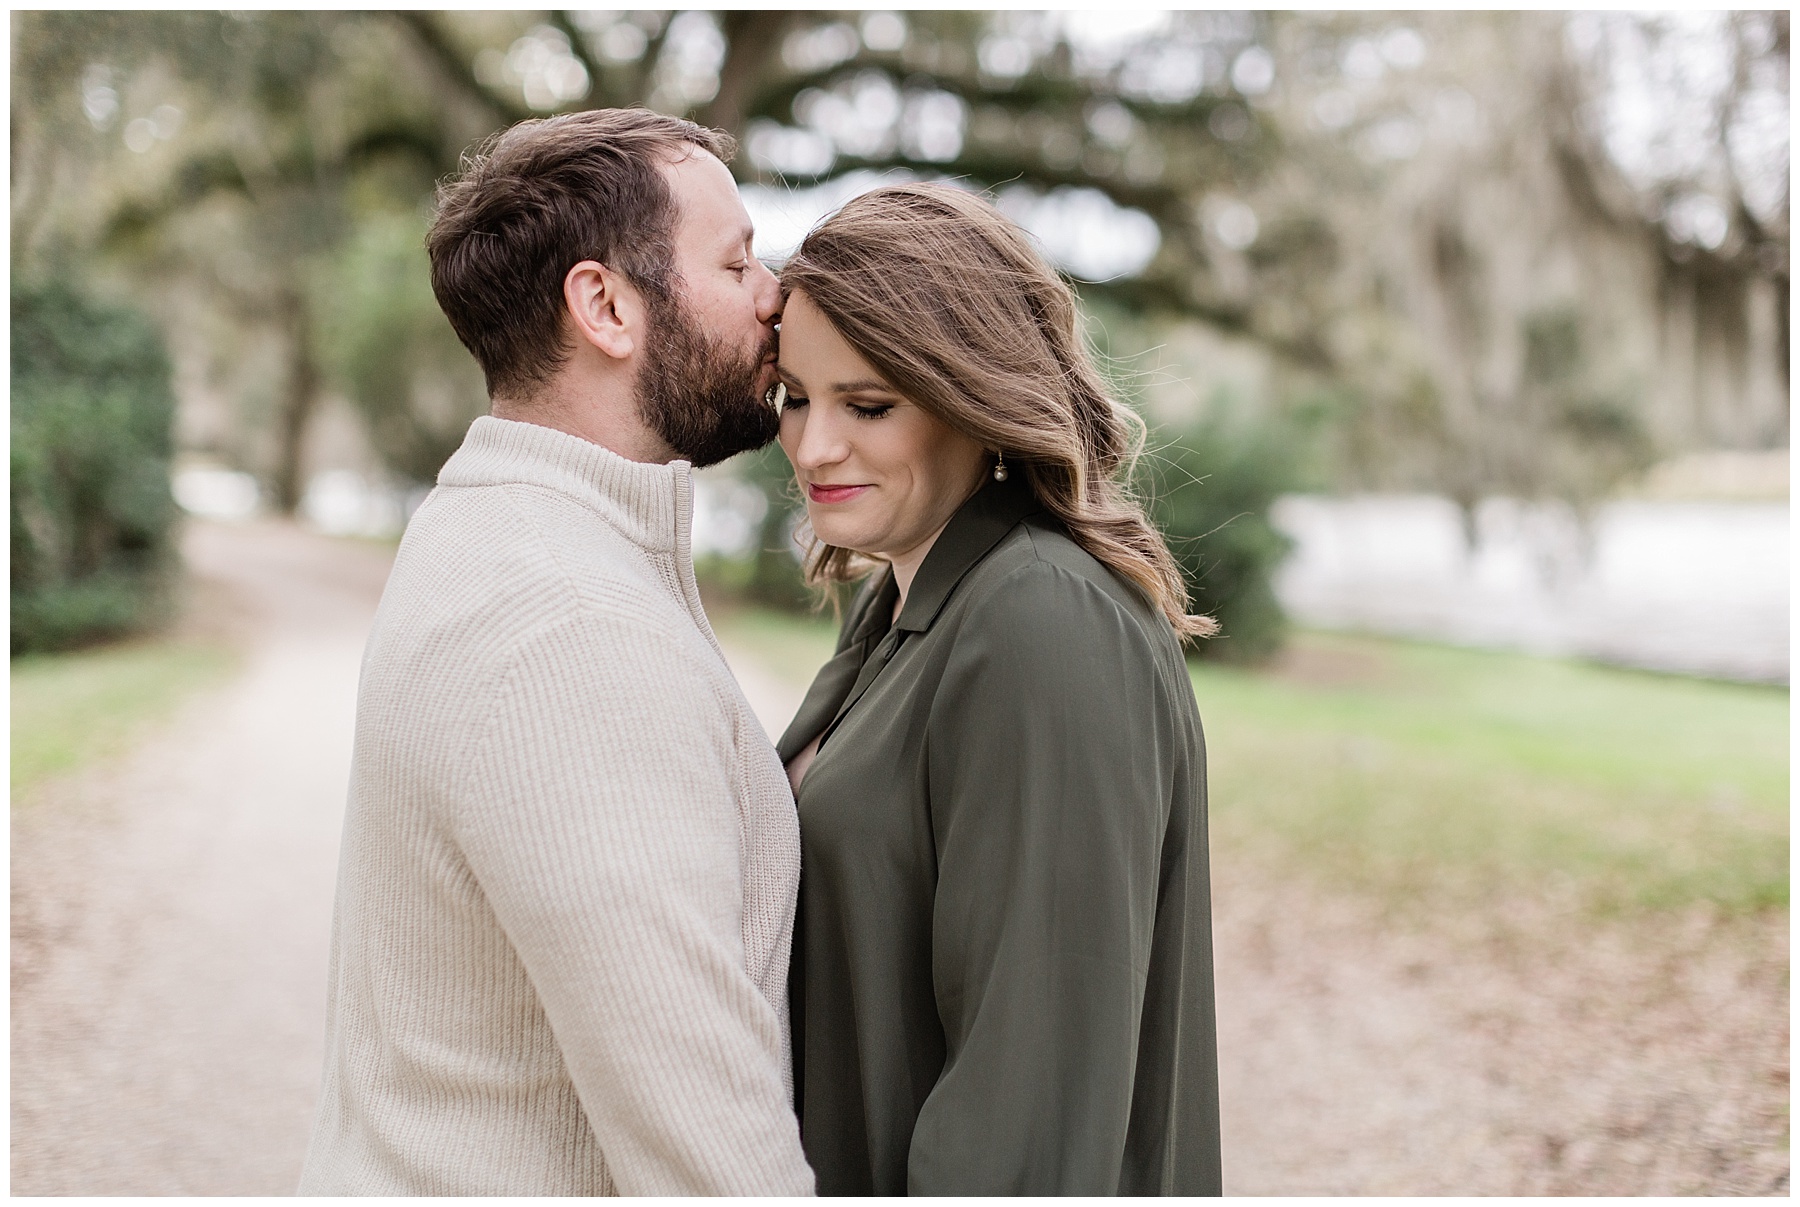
(833, 494)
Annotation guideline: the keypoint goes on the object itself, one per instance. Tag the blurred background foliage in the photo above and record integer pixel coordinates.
(1211, 490)
(390, 348)
(1477, 254)
(92, 423)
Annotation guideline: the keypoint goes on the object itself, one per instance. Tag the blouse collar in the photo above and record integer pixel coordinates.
(977, 527)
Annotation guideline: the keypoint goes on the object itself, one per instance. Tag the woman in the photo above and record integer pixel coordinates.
(1003, 969)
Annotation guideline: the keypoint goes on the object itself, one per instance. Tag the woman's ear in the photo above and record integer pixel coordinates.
(604, 308)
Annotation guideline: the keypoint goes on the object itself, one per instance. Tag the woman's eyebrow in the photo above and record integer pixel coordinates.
(865, 385)
(862, 385)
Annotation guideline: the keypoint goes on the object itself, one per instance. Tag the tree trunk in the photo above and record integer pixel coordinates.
(751, 37)
(298, 402)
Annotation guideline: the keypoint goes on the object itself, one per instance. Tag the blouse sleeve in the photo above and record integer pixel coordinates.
(1049, 750)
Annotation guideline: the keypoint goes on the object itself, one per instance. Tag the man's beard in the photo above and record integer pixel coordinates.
(696, 394)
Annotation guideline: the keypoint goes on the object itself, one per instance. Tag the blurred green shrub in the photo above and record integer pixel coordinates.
(1209, 489)
(775, 576)
(92, 514)
(768, 574)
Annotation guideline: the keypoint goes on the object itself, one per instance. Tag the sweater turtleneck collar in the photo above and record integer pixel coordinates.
(652, 505)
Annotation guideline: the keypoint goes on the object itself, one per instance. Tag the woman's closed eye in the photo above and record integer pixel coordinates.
(788, 400)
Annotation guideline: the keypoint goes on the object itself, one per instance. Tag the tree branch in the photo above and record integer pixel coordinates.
(450, 65)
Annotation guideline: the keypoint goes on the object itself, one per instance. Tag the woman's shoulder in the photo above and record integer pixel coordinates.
(1041, 619)
(1038, 578)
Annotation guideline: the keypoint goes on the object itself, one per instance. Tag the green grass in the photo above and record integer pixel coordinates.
(72, 710)
(1427, 773)
(1430, 775)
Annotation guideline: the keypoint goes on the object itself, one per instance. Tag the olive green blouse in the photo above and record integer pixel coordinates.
(1003, 969)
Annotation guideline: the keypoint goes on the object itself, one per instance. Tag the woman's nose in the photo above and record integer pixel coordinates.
(820, 443)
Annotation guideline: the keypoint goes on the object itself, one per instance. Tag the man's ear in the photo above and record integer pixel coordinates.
(604, 308)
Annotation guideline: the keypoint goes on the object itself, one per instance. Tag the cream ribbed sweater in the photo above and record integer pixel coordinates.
(566, 894)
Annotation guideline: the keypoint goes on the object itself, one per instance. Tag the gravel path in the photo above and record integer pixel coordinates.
(171, 915)
(1525, 1051)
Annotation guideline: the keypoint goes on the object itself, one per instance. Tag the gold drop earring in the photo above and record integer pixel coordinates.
(1000, 468)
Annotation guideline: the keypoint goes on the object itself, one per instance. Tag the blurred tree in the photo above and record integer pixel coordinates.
(1144, 118)
(92, 416)
(262, 140)
(1497, 304)
(1685, 125)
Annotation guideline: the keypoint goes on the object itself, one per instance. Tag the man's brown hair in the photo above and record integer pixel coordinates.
(535, 200)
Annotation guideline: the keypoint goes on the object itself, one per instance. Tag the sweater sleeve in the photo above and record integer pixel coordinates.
(1046, 758)
(599, 819)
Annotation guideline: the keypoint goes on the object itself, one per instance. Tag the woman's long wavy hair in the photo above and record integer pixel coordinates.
(954, 307)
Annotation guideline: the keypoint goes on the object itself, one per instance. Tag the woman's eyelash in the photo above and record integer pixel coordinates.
(786, 398)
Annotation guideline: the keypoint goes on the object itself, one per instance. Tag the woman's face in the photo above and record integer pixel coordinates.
(881, 475)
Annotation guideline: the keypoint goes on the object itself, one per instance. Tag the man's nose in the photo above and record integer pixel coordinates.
(768, 293)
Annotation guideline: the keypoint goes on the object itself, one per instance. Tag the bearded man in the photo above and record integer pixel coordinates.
(566, 895)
